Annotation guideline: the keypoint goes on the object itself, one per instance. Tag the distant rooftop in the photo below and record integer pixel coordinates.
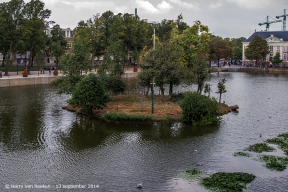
(265, 34)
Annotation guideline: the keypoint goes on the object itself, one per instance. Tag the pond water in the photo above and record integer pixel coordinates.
(41, 144)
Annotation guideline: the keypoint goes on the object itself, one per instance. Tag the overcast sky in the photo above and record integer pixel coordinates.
(225, 18)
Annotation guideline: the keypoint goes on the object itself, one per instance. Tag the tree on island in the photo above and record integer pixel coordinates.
(89, 94)
(221, 88)
(257, 49)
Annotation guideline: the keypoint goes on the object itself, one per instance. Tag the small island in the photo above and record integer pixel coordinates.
(140, 105)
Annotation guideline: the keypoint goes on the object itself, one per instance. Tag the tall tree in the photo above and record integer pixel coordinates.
(164, 65)
(257, 49)
(58, 43)
(219, 48)
(10, 17)
(33, 27)
(73, 63)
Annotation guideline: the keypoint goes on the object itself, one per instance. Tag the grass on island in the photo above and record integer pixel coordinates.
(228, 181)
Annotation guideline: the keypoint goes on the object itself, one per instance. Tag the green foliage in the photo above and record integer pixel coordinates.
(123, 118)
(274, 162)
(242, 154)
(260, 147)
(228, 181)
(89, 94)
(221, 88)
(40, 60)
(114, 84)
(281, 141)
(200, 70)
(277, 58)
(162, 66)
(199, 110)
(219, 48)
(257, 49)
(176, 97)
(191, 174)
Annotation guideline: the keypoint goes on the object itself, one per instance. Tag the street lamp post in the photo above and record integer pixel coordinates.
(154, 23)
(152, 96)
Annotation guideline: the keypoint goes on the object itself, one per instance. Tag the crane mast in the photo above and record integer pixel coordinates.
(269, 22)
(284, 19)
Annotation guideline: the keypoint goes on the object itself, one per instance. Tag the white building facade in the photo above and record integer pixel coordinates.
(277, 42)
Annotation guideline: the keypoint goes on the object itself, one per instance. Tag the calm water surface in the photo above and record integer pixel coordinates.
(41, 144)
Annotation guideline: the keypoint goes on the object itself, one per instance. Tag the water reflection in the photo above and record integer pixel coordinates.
(42, 144)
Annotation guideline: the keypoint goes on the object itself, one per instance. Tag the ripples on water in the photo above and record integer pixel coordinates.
(42, 144)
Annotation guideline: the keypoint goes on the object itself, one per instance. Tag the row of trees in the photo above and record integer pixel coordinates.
(121, 37)
(22, 29)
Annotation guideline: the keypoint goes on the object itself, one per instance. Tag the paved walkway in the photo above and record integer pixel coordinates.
(33, 74)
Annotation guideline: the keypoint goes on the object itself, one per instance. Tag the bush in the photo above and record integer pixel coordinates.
(114, 84)
(199, 110)
(176, 97)
(89, 94)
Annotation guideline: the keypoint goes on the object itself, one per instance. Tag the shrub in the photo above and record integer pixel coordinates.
(176, 97)
(89, 94)
(114, 84)
(199, 110)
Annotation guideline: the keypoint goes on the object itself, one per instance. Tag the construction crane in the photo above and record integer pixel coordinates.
(269, 22)
(284, 19)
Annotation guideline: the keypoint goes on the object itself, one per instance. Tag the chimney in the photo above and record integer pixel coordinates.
(135, 12)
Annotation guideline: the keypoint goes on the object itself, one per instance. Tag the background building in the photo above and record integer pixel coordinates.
(277, 43)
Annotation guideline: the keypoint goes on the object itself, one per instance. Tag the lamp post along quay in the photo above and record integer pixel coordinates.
(152, 96)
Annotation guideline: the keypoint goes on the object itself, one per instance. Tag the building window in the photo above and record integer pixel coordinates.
(285, 49)
(68, 33)
(271, 48)
(278, 48)
(285, 56)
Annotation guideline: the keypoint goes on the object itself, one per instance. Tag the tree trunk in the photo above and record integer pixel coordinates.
(162, 93)
(171, 88)
(147, 92)
(4, 56)
(220, 98)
